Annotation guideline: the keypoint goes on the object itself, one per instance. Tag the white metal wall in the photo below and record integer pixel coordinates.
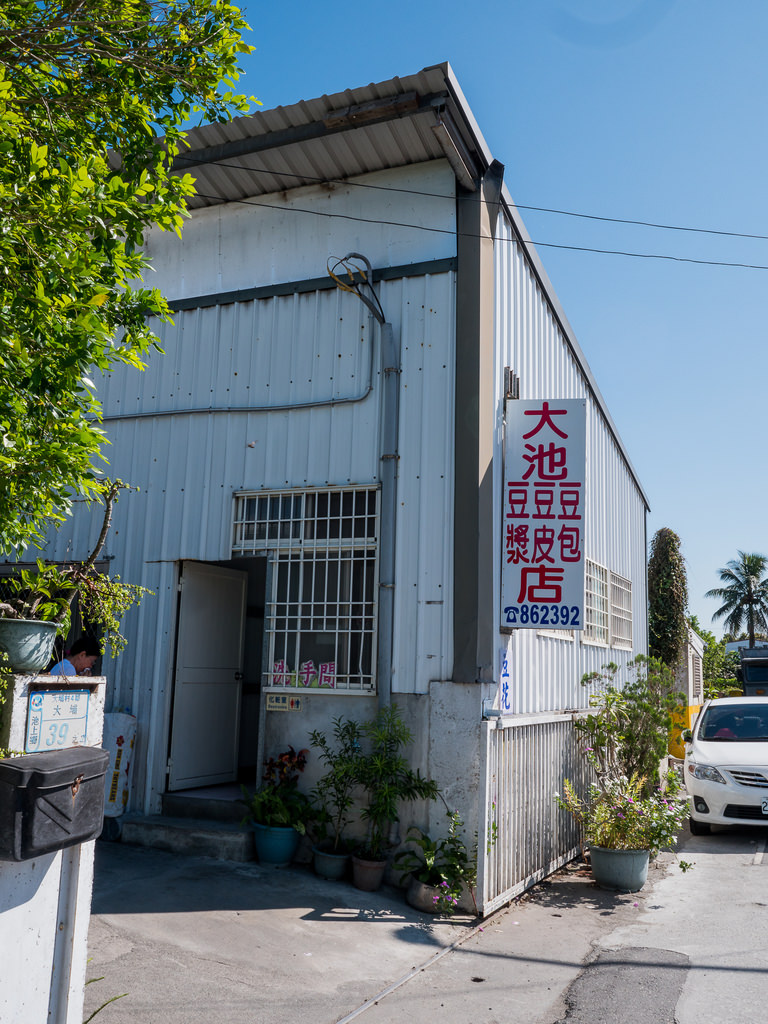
(393, 217)
(282, 351)
(547, 671)
(423, 638)
(297, 348)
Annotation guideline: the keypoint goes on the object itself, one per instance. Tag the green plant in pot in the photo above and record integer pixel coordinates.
(387, 778)
(440, 870)
(333, 795)
(39, 606)
(279, 811)
(630, 811)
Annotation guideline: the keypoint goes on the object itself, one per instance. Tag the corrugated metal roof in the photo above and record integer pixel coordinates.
(378, 126)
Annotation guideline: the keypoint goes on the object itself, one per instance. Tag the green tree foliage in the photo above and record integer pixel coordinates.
(744, 594)
(629, 733)
(667, 598)
(93, 98)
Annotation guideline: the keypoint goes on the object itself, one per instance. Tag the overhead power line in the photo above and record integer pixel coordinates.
(520, 206)
(448, 231)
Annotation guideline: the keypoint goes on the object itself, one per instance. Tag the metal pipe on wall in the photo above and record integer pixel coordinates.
(390, 456)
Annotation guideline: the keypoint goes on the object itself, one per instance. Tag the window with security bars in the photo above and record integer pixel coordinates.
(321, 614)
(621, 611)
(597, 610)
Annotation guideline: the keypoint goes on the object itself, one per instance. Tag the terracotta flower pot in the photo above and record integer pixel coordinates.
(368, 874)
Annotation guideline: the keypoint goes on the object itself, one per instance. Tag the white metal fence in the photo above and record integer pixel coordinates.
(527, 836)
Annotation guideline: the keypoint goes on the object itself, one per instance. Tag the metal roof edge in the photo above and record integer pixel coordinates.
(558, 312)
(537, 266)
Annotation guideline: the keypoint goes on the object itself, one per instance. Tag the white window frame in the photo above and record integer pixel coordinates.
(322, 584)
(557, 634)
(621, 612)
(597, 604)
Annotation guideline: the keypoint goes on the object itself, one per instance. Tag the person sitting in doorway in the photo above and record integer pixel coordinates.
(81, 659)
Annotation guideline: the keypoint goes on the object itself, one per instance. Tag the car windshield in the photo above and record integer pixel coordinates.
(741, 723)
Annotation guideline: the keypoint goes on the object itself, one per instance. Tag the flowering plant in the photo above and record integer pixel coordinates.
(444, 864)
(626, 809)
(620, 817)
(280, 803)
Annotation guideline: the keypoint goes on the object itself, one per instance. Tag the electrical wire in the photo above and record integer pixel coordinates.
(463, 234)
(519, 206)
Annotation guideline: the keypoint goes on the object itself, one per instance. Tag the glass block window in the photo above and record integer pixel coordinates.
(621, 611)
(597, 611)
(321, 613)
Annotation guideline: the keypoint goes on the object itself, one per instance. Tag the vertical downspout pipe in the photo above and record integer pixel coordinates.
(358, 280)
(390, 416)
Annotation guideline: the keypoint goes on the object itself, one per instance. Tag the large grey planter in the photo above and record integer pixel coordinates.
(626, 870)
(28, 643)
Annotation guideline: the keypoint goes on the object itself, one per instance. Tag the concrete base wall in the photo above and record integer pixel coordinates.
(446, 726)
(13, 712)
(45, 903)
(45, 907)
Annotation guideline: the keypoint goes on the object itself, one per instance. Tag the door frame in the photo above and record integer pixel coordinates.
(173, 664)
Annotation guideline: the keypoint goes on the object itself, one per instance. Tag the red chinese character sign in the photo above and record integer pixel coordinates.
(542, 574)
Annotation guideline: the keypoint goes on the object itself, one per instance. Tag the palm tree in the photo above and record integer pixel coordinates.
(745, 594)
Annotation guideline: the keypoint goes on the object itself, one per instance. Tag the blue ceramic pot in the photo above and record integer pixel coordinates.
(275, 844)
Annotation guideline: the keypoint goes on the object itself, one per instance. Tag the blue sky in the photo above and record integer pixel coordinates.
(646, 110)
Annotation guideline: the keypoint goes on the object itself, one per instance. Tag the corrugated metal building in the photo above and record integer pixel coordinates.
(325, 492)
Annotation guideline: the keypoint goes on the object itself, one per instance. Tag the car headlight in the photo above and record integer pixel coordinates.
(706, 772)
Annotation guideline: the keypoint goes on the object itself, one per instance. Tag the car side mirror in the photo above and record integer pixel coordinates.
(687, 736)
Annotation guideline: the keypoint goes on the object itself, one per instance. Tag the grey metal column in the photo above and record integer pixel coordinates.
(473, 597)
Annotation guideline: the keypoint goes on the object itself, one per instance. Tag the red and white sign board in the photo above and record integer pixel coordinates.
(542, 574)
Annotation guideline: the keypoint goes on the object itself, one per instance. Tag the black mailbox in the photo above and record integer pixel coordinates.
(51, 800)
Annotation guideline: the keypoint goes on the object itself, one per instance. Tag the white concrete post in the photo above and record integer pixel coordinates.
(45, 903)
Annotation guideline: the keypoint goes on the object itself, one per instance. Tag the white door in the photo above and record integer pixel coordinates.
(209, 664)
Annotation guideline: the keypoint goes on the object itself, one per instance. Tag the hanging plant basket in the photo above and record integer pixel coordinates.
(28, 643)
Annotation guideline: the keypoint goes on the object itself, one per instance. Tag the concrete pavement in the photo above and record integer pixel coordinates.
(192, 940)
(197, 940)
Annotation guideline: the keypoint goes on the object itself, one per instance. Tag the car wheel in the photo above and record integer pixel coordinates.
(699, 828)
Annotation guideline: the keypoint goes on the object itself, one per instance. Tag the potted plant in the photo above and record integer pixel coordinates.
(440, 871)
(279, 810)
(387, 778)
(333, 795)
(624, 827)
(631, 811)
(40, 604)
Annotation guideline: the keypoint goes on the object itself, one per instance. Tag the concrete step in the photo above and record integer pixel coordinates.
(201, 838)
(204, 807)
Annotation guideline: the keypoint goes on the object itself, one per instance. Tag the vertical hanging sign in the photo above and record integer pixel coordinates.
(542, 569)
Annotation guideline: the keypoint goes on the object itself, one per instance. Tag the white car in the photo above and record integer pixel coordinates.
(726, 764)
